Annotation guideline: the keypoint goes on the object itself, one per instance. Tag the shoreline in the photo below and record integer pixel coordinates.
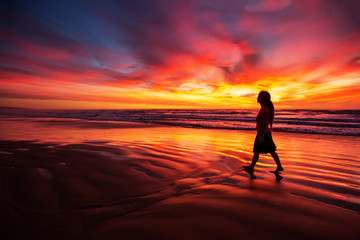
(316, 122)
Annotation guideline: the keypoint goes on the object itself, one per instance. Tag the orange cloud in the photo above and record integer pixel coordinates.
(198, 54)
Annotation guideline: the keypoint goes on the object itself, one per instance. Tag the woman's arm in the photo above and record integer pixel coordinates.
(264, 123)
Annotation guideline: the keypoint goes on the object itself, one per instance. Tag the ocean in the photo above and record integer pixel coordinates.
(333, 122)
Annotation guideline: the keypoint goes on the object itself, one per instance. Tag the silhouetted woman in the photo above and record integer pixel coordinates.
(263, 141)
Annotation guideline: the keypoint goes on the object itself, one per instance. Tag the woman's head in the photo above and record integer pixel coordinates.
(264, 97)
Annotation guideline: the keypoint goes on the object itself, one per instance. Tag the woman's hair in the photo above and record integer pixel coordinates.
(265, 98)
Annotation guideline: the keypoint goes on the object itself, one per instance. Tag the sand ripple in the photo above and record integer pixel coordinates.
(103, 190)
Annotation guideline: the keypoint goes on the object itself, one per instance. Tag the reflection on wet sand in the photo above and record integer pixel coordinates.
(90, 182)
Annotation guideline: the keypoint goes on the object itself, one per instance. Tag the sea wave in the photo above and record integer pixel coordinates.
(334, 122)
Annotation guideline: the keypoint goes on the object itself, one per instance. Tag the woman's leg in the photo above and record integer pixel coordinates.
(277, 160)
(250, 169)
(254, 159)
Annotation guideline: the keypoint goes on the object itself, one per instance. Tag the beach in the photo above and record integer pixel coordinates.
(84, 179)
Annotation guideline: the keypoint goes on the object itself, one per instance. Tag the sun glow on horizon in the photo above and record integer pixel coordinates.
(181, 55)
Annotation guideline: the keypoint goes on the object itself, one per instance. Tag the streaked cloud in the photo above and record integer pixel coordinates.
(180, 53)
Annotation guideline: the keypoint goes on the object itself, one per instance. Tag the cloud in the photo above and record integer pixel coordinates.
(268, 6)
(170, 46)
(347, 10)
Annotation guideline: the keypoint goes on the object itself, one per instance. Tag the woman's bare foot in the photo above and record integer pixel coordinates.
(249, 169)
(279, 169)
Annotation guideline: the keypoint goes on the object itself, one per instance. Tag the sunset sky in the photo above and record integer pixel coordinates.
(111, 54)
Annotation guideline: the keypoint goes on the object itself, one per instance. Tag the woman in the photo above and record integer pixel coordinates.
(263, 141)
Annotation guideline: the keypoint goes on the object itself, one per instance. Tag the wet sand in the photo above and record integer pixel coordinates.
(75, 179)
